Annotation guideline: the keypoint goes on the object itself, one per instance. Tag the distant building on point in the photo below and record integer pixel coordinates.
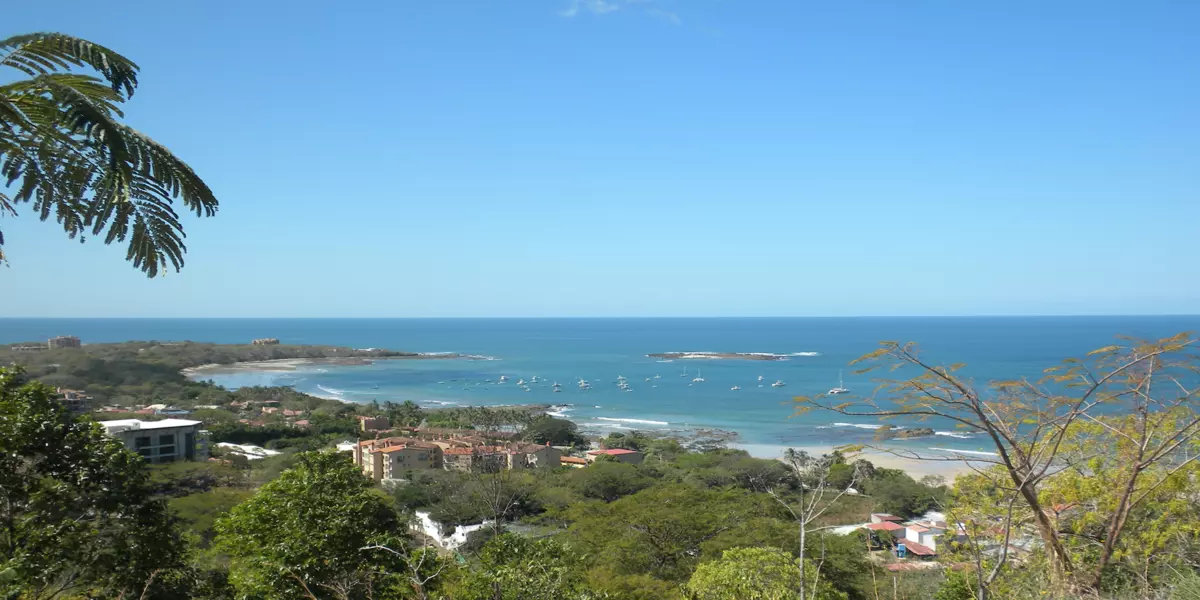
(265, 342)
(63, 341)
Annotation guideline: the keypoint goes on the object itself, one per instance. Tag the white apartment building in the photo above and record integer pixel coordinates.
(162, 441)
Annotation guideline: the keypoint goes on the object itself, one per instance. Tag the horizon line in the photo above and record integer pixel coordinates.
(447, 318)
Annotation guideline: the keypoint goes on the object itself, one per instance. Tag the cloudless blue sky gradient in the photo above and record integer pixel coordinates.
(650, 158)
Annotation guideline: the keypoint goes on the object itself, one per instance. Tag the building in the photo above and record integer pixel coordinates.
(27, 348)
(478, 459)
(388, 458)
(373, 423)
(884, 517)
(163, 441)
(63, 341)
(925, 532)
(534, 456)
(632, 457)
(265, 342)
(76, 401)
(573, 462)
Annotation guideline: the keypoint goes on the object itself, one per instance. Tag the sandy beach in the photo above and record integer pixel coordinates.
(914, 467)
(282, 364)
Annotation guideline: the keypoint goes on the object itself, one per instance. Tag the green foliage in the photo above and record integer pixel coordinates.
(64, 149)
(556, 432)
(306, 532)
(78, 509)
(609, 480)
(512, 567)
(897, 493)
(958, 585)
(662, 531)
(199, 512)
(755, 574)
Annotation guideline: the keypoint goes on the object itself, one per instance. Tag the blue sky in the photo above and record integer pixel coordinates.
(651, 157)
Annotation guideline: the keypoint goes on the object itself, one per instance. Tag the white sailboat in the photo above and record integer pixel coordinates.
(698, 378)
(840, 389)
(778, 383)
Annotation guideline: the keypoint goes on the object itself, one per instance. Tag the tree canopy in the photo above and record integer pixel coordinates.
(64, 148)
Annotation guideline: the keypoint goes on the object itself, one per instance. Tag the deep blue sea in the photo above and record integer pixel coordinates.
(600, 350)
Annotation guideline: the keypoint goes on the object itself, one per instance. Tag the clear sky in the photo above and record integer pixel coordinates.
(651, 157)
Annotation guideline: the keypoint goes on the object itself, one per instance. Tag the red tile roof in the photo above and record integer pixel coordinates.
(613, 451)
(886, 517)
(916, 528)
(573, 460)
(885, 526)
(918, 549)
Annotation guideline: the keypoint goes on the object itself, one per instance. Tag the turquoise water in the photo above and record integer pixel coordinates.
(600, 350)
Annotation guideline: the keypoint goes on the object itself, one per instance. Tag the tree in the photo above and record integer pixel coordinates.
(1028, 425)
(513, 567)
(816, 497)
(756, 574)
(65, 150)
(609, 480)
(556, 432)
(77, 511)
(305, 534)
(663, 531)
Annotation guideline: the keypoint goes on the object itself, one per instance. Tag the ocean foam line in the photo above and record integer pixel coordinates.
(857, 425)
(976, 452)
(961, 436)
(334, 391)
(642, 421)
(480, 357)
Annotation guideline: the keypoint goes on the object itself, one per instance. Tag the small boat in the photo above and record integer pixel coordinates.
(778, 383)
(735, 388)
(521, 381)
(620, 378)
(841, 388)
(558, 389)
(684, 373)
(658, 376)
(556, 385)
(698, 378)
(760, 378)
(503, 378)
(375, 388)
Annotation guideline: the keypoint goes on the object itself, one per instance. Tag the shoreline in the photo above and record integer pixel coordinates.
(947, 469)
(292, 364)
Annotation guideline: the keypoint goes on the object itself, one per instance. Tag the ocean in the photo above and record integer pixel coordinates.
(662, 396)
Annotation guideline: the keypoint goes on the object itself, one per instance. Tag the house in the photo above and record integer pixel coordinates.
(388, 458)
(485, 459)
(882, 517)
(372, 423)
(573, 461)
(532, 456)
(163, 441)
(287, 412)
(632, 457)
(924, 533)
(347, 446)
(74, 400)
(915, 549)
(265, 342)
(251, 452)
(302, 423)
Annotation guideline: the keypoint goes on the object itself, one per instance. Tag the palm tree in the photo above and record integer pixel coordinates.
(64, 150)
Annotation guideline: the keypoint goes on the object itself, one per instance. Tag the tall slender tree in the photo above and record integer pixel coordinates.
(65, 151)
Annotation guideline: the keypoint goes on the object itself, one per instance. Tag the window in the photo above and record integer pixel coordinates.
(166, 440)
(141, 441)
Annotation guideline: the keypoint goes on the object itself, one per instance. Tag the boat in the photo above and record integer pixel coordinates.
(760, 378)
(841, 388)
(620, 378)
(647, 379)
(520, 382)
(503, 378)
(735, 388)
(684, 373)
(656, 376)
(698, 378)
(778, 383)
(556, 385)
